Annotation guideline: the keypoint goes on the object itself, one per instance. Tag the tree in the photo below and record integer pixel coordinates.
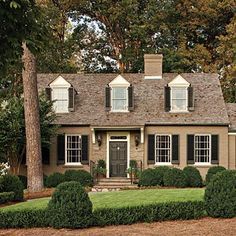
(12, 125)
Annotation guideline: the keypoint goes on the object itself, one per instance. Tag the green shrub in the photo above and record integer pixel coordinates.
(81, 176)
(23, 180)
(6, 197)
(220, 195)
(150, 177)
(101, 164)
(12, 183)
(175, 177)
(193, 176)
(161, 171)
(212, 171)
(24, 218)
(149, 213)
(54, 179)
(70, 207)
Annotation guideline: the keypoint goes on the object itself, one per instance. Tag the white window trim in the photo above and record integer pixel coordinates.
(203, 163)
(60, 87)
(72, 163)
(163, 163)
(186, 94)
(126, 105)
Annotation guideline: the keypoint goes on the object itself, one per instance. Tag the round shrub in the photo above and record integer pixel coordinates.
(12, 183)
(212, 171)
(81, 176)
(23, 180)
(193, 176)
(54, 179)
(70, 207)
(161, 171)
(175, 177)
(220, 195)
(150, 177)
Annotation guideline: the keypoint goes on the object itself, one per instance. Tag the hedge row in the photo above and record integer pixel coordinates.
(110, 216)
(6, 197)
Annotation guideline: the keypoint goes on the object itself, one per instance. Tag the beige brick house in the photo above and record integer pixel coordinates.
(154, 118)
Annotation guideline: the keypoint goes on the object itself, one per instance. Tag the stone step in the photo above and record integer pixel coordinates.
(114, 180)
(113, 183)
(112, 187)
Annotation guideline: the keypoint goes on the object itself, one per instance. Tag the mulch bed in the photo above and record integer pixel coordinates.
(47, 192)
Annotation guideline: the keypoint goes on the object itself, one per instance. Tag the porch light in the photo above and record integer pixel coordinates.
(99, 139)
(137, 140)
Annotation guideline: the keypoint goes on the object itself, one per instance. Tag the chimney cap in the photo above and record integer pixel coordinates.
(153, 56)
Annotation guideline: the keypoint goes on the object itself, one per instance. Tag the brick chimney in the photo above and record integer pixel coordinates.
(153, 66)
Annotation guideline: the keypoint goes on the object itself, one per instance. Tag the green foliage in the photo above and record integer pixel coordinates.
(12, 183)
(81, 176)
(220, 195)
(101, 163)
(54, 179)
(23, 180)
(193, 176)
(70, 207)
(175, 177)
(149, 213)
(6, 197)
(212, 171)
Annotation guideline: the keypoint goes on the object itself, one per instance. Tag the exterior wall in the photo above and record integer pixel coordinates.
(183, 131)
(232, 152)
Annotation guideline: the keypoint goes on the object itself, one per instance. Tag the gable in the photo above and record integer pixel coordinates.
(59, 82)
(119, 81)
(179, 81)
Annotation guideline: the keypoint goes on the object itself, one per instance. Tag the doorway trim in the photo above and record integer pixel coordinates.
(109, 134)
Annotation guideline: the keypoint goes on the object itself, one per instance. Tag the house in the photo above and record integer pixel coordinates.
(151, 117)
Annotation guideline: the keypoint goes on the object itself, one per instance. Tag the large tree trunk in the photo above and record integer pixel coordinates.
(32, 123)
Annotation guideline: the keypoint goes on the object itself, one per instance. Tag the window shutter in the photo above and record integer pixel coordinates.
(108, 98)
(190, 99)
(71, 94)
(85, 150)
(46, 155)
(215, 149)
(48, 92)
(60, 149)
(190, 149)
(167, 98)
(23, 162)
(151, 149)
(175, 149)
(131, 98)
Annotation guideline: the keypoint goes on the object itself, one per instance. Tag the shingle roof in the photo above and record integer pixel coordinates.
(231, 108)
(148, 97)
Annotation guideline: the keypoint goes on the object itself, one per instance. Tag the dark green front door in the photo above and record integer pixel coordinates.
(118, 158)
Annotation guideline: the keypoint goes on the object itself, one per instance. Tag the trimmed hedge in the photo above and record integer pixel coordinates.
(70, 207)
(220, 195)
(6, 197)
(23, 180)
(81, 176)
(149, 213)
(212, 171)
(175, 177)
(193, 176)
(54, 179)
(109, 216)
(12, 183)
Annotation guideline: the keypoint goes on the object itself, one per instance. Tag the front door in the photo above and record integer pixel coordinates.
(118, 158)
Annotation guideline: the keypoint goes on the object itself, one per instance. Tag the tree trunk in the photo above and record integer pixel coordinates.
(32, 123)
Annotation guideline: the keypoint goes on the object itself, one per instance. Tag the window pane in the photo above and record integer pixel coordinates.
(119, 93)
(163, 148)
(202, 148)
(179, 93)
(179, 99)
(178, 104)
(73, 149)
(119, 105)
(60, 98)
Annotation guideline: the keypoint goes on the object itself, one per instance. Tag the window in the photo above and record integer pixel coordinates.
(60, 98)
(179, 99)
(163, 149)
(119, 99)
(73, 149)
(202, 148)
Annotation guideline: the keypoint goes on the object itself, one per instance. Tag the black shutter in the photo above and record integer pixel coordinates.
(48, 93)
(190, 149)
(215, 149)
(85, 150)
(71, 94)
(190, 99)
(167, 98)
(175, 149)
(60, 149)
(151, 149)
(108, 98)
(131, 97)
(46, 155)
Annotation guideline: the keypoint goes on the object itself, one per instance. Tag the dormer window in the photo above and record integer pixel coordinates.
(62, 94)
(119, 99)
(179, 95)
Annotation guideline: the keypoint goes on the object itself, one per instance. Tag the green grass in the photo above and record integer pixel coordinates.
(123, 198)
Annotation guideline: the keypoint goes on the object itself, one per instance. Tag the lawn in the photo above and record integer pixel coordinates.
(123, 198)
